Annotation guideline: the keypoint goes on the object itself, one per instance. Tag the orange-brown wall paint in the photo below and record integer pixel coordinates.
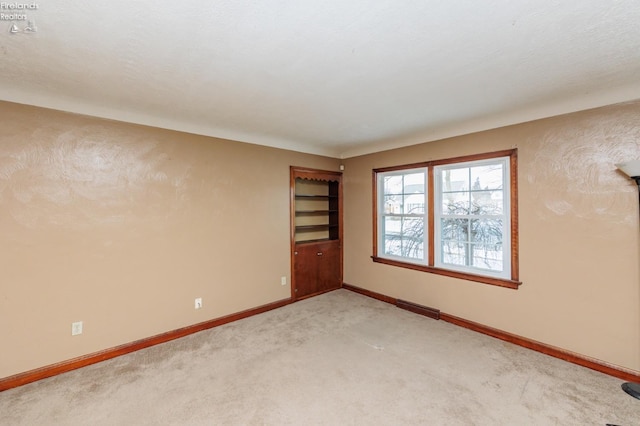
(579, 236)
(123, 226)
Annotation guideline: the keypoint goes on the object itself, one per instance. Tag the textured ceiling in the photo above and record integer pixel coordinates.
(338, 78)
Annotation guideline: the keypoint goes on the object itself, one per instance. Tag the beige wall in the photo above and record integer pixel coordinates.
(579, 237)
(122, 226)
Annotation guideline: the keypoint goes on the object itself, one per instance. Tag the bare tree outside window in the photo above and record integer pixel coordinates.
(472, 216)
(456, 217)
(404, 214)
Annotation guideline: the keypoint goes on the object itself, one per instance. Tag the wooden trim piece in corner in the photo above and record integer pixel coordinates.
(369, 293)
(513, 200)
(572, 357)
(419, 309)
(402, 304)
(85, 360)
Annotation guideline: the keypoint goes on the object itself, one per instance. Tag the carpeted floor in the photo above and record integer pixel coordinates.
(336, 359)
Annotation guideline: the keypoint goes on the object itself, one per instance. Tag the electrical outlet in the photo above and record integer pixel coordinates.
(198, 303)
(283, 280)
(76, 328)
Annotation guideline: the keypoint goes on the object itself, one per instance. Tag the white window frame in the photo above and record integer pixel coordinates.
(505, 217)
(382, 215)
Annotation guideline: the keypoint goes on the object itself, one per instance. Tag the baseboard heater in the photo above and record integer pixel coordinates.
(419, 309)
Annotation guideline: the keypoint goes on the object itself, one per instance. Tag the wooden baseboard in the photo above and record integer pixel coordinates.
(370, 293)
(419, 309)
(553, 351)
(82, 361)
(572, 357)
(79, 362)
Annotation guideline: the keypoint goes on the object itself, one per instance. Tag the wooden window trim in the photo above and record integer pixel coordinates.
(512, 283)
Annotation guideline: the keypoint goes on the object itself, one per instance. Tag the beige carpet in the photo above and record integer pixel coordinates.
(337, 359)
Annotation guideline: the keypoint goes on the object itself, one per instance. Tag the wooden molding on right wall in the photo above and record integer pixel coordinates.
(572, 357)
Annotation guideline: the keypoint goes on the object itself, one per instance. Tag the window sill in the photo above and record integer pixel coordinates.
(500, 282)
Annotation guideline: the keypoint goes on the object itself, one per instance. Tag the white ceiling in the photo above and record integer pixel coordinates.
(338, 78)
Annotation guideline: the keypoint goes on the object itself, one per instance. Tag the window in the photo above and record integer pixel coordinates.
(403, 199)
(455, 217)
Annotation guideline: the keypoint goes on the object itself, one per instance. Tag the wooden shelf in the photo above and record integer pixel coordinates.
(320, 227)
(315, 196)
(317, 240)
(316, 228)
(315, 211)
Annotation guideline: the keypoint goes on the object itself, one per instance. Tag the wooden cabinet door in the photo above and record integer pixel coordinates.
(317, 268)
(328, 266)
(306, 271)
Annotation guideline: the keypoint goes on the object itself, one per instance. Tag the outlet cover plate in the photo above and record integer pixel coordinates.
(76, 328)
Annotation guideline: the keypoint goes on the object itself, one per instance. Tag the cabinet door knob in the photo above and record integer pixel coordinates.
(295, 253)
(319, 253)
